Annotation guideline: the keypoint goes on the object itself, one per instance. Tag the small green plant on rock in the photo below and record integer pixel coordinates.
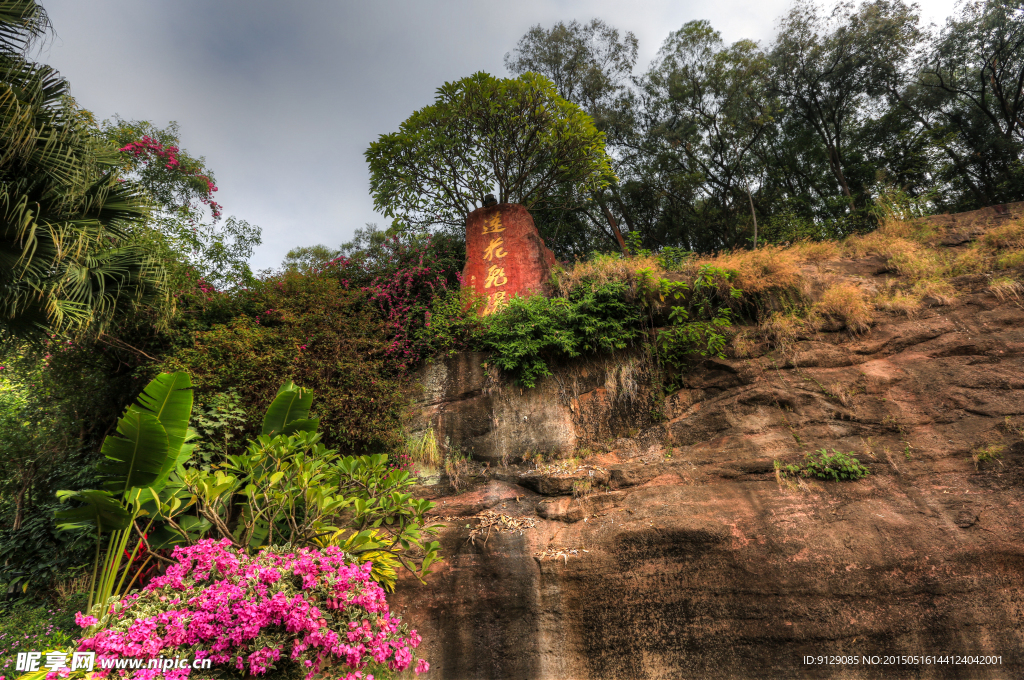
(835, 466)
(424, 449)
(987, 453)
(581, 488)
(456, 468)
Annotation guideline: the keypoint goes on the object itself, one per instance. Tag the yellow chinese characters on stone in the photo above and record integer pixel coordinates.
(494, 249)
(495, 277)
(493, 224)
(496, 301)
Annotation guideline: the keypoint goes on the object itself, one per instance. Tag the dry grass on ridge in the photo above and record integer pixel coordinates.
(921, 273)
(606, 269)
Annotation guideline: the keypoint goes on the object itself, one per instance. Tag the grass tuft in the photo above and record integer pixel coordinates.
(935, 291)
(601, 269)
(780, 330)
(846, 304)
(762, 270)
(1006, 288)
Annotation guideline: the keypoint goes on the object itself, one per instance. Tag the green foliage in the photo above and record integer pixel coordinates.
(453, 324)
(35, 554)
(66, 260)
(310, 329)
(836, 466)
(698, 315)
(424, 449)
(588, 63)
(307, 259)
(790, 226)
(989, 452)
(967, 96)
(669, 257)
(217, 420)
(529, 333)
(515, 137)
(804, 134)
(289, 410)
(288, 488)
(191, 245)
(30, 626)
(51, 423)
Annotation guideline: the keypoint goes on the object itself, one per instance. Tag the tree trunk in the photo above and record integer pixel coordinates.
(614, 225)
(19, 505)
(837, 170)
(753, 215)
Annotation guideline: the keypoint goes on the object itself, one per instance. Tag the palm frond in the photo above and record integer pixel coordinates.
(21, 22)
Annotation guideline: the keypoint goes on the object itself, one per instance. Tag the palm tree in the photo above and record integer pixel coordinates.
(66, 262)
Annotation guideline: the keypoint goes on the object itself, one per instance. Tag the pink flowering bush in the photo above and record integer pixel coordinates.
(402, 276)
(282, 612)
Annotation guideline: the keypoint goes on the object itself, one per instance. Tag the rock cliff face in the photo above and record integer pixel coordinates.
(682, 554)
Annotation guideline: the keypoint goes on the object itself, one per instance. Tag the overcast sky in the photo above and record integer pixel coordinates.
(282, 98)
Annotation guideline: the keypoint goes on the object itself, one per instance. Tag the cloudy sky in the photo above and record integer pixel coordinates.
(282, 98)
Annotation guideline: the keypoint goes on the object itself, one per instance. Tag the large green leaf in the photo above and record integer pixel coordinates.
(291, 403)
(137, 457)
(100, 510)
(302, 425)
(169, 398)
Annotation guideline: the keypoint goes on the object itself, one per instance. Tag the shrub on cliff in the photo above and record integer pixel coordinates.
(526, 335)
(608, 304)
(836, 466)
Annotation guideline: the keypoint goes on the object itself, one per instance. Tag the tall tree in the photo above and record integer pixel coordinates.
(516, 138)
(970, 98)
(186, 226)
(828, 68)
(590, 65)
(706, 108)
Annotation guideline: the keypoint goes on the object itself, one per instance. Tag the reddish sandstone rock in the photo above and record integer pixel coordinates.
(505, 255)
(699, 562)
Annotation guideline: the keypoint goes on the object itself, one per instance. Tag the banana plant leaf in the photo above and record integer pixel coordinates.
(100, 510)
(291, 403)
(169, 398)
(137, 457)
(302, 425)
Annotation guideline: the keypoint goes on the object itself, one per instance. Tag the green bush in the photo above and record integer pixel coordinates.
(698, 316)
(452, 324)
(312, 330)
(529, 333)
(836, 466)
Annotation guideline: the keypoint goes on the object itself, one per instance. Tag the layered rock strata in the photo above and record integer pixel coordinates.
(674, 549)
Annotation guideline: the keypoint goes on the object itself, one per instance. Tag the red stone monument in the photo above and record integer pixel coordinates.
(505, 255)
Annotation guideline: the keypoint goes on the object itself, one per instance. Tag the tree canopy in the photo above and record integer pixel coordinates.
(846, 108)
(516, 138)
(589, 64)
(186, 230)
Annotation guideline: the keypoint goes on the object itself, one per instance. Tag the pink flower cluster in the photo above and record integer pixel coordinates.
(168, 155)
(306, 608)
